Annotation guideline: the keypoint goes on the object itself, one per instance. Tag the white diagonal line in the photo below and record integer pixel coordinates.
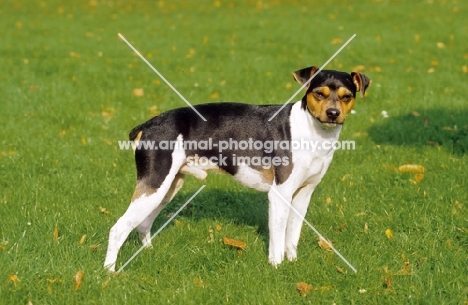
(162, 227)
(162, 77)
(315, 230)
(310, 79)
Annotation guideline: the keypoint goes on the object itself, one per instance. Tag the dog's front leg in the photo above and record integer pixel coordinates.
(278, 211)
(300, 203)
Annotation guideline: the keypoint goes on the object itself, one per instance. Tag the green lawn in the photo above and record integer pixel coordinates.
(67, 97)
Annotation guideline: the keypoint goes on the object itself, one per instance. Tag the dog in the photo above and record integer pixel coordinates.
(289, 176)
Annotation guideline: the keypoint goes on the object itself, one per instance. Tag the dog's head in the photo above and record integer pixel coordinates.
(330, 94)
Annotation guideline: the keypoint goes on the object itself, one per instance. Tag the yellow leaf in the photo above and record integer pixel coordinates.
(418, 177)
(465, 69)
(339, 269)
(389, 233)
(324, 245)
(154, 111)
(104, 211)
(359, 68)
(235, 243)
(13, 278)
(303, 288)
(78, 279)
(214, 95)
(56, 233)
(84, 141)
(440, 45)
(82, 239)
(337, 41)
(198, 282)
(328, 200)
(288, 85)
(94, 247)
(139, 92)
(411, 168)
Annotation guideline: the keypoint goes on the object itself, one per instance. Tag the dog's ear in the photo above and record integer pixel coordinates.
(303, 75)
(361, 82)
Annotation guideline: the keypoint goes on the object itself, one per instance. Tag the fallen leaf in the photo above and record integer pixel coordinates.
(415, 113)
(418, 177)
(78, 279)
(56, 233)
(440, 45)
(154, 111)
(411, 168)
(366, 228)
(341, 227)
(389, 233)
(324, 245)
(214, 95)
(199, 282)
(82, 240)
(104, 211)
(303, 288)
(359, 68)
(465, 69)
(337, 41)
(94, 247)
(328, 200)
(339, 269)
(235, 243)
(388, 283)
(139, 92)
(14, 279)
(361, 291)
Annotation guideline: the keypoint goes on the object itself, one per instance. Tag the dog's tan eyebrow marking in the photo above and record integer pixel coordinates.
(342, 92)
(325, 91)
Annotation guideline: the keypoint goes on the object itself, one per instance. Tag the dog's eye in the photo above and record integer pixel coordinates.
(346, 97)
(319, 94)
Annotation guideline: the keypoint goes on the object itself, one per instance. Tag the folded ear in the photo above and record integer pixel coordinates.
(361, 82)
(303, 75)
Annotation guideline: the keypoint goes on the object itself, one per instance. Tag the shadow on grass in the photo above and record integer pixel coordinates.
(245, 207)
(435, 127)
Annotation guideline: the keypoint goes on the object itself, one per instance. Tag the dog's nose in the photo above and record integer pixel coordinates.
(333, 113)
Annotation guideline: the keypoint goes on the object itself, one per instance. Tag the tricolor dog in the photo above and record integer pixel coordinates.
(289, 176)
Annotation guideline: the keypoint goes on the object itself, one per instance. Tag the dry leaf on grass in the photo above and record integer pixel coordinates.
(78, 279)
(82, 239)
(13, 278)
(412, 168)
(138, 92)
(389, 233)
(303, 288)
(56, 233)
(235, 243)
(199, 282)
(324, 245)
(104, 211)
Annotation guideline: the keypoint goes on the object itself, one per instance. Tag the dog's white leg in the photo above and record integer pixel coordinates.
(144, 229)
(300, 202)
(278, 212)
(140, 209)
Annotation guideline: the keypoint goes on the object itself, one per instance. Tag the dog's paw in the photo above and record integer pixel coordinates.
(291, 254)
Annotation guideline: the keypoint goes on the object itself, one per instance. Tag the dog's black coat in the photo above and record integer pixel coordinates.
(224, 120)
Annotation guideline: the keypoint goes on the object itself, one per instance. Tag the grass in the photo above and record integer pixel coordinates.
(66, 83)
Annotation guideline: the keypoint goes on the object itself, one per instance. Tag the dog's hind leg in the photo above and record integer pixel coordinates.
(144, 229)
(144, 203)
(300, 203)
